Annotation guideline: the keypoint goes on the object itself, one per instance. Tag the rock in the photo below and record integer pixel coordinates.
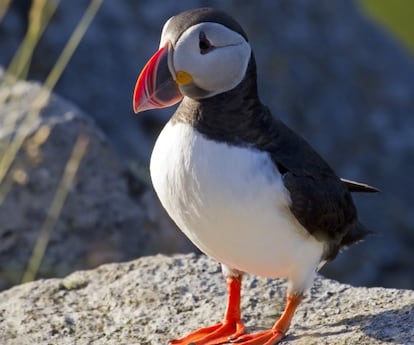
(153, 299)
(108, 215)
(324, 68)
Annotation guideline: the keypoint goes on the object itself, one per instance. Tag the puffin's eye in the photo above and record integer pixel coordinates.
(204, 44)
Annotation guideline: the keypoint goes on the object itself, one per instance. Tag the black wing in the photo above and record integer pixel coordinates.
(320, 200)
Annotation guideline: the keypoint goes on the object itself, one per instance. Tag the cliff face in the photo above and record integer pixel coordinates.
(156, 298)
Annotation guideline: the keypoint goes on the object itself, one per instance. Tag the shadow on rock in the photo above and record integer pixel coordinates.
(392, 326)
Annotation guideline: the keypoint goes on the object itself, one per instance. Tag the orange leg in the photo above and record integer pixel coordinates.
(230, 328)
(278, 331)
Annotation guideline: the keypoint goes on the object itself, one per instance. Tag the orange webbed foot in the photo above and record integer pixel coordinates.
(221, 333)
(232, 329)
(268, 337)
(277, 333)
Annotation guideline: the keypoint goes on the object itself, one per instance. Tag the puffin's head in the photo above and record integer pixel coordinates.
(203, 52)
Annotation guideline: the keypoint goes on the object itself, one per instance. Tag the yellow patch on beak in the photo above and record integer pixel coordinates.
(183, 78)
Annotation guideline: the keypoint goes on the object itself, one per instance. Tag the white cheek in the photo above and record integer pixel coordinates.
(219, 70)
(223, 69)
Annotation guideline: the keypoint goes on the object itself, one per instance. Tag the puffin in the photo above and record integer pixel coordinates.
(242, 186)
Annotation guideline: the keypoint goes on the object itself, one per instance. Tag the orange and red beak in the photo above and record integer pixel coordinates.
(155, 87)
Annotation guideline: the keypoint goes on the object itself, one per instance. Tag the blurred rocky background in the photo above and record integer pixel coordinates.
(329, 69)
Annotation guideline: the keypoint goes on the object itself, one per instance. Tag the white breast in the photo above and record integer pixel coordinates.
(232, 204)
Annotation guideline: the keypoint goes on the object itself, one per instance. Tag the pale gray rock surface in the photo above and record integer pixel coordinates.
(153, 299)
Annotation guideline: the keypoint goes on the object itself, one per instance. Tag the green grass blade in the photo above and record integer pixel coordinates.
(73, 43)
(46, 230)
(4, 6)
(40, 14)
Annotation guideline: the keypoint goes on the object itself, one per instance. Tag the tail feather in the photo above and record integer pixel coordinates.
(359, 187)
(356, 234)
